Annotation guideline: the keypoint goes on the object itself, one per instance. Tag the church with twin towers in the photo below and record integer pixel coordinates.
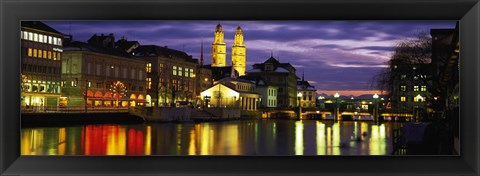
(219, 51)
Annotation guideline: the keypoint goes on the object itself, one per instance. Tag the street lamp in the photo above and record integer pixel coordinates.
(299, 96)
(375, 109)
(336, 109)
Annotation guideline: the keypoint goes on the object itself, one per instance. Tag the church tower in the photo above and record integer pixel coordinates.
(239, 52)
(219, 48)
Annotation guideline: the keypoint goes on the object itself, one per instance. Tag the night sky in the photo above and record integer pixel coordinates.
(335, 55)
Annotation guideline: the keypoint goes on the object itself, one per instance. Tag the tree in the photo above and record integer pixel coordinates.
(119, 89)
(409, 66)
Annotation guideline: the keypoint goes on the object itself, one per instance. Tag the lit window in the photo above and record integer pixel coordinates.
(30, 52)
(186, 72)
(35, 37)
(54, 56)
(49, 55)
(45, 38)
(403, 76)
(44, 54)
(420, 99)
(179, 71)
(30, 36)
(34, 52)
(54, 40)
(25, 35)
(149, 83)
(423, 88)
(59, 42)
(148, 69)
(40, 38)
(415, 88)
(191, 73)
(59, 56)
(89, 84)
(174, 70)
(49, 39)
(403, 99)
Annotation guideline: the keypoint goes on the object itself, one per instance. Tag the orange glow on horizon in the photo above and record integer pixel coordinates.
(350, 92)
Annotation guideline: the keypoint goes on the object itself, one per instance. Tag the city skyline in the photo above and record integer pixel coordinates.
(336, 56)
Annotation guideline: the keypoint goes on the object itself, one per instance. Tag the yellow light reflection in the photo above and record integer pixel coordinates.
(192, 148)
(148, 141)
(320, 138)
(61, 141)
(336, 139)
(376, 147)
(329, 140)
(205, 136)
(298, 138)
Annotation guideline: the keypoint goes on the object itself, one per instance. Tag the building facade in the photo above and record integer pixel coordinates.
(171, 76)
(306, 94)
(41, 57)
(219, 49)
(232, 93)
(239, 60)
(268, 92)
(281, 75)
(101, 76)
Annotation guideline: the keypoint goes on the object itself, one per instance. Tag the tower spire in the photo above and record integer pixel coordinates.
(303, 75)
(219, 48)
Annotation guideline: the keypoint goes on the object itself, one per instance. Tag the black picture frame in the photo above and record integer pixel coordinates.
(12, 12)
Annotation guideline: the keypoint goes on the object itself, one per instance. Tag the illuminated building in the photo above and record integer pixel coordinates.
(308, 93)
(41, 54)
(239, 52)
(268, 92)
(281, 75)
(219, 49)
(233, 93)
(171, 76)
(96, 66)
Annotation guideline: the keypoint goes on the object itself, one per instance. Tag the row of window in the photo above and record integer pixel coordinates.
(414, 77)
(99, 85)
(41, 38)
(271, 103)
(41, 86)
(415, 99)
(38, 53)
(114, 71)
(415, 88)
(272, 92)
(178, 71)
(40, 69)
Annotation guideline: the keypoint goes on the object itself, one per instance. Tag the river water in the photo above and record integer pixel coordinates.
(242, 137)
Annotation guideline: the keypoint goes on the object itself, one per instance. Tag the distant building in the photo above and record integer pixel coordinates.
(281, 75)
(41, 61)
(308, 93)
(233, 93)
(112, 77)
(171, 76)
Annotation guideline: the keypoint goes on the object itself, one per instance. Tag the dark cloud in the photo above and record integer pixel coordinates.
(324, 50)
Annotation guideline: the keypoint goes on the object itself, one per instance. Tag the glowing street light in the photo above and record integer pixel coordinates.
(336, 106)
(299, 96)
(375, 109)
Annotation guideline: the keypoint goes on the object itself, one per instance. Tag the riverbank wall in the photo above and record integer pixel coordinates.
(52, 119)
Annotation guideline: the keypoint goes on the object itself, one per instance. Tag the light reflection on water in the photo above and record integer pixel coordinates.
(252, 137)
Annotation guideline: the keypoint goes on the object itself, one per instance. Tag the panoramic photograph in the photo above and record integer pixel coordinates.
(251, 88)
